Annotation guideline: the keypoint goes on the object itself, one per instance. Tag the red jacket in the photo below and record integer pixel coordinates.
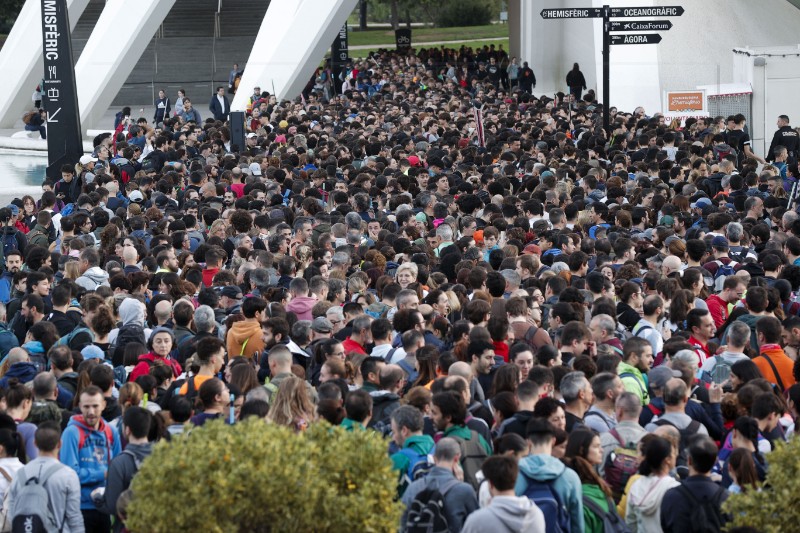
(718, 309)
(147, 360)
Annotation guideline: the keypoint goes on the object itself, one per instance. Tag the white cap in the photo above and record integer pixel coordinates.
(86, 159)
(136, 196)
(255, 169)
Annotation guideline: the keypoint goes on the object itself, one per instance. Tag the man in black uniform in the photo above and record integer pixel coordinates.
(785, 136)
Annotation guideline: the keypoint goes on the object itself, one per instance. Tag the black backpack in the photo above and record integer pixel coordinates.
(426, 512)
(612, 523)
(682, 464)
(127, 334)
(705, 517)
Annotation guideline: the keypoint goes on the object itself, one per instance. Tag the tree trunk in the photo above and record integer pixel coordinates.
(395, 15)
(362, 15)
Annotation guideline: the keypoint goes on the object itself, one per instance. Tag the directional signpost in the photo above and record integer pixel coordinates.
(650, 25)
(636, 38)
(606, 13)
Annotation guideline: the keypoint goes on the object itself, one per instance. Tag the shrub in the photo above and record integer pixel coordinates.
(774, 509)
(263, 478)
(464, 13)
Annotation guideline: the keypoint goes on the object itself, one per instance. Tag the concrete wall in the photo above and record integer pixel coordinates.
(696, 51)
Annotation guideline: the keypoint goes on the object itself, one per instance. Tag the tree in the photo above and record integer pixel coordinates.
(9, 10)
(264, 478)
(773, 509)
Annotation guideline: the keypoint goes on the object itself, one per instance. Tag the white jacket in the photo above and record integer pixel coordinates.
(643, 511)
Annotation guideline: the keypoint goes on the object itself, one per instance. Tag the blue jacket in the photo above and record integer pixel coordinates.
(24, 371)
(567, 484)
(5, 286)
(92, 460)
(7, 340)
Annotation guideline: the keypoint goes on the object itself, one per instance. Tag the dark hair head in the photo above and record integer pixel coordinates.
(138, 420)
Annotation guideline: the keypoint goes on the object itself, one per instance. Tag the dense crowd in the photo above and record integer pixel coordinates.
(557, 328)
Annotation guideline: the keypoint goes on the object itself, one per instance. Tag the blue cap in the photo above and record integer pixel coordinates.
(14, 209)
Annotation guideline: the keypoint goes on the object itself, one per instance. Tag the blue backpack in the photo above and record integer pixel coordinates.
(542, 493)
(419, 464)
(10, 242)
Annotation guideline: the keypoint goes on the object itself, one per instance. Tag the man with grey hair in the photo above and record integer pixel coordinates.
(736, 251)
(341, 260)
(407, 299)
(603, 328)
(578, 397)
(205, 324)
(717, 369)
(360, 335)
(458, 497)
(676, 395)
(299, 339)
(444, 236)
(336, 317)
(513, 280)
(627, 432)
(337, 291)
(45, 392)
(407, 424)
(259, 280)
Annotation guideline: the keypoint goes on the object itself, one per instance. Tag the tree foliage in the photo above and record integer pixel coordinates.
(774, 509)
(264, 478)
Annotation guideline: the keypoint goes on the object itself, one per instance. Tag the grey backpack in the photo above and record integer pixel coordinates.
(32, 512)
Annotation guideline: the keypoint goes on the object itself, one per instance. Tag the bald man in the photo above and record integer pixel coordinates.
(671, 264)
(163, 312)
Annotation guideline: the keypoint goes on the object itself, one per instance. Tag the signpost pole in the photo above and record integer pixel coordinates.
(606, 68)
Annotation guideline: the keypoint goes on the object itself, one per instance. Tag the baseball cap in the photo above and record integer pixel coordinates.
(255, 169)
(231, 291)
(701, 202)
(92, 352)
(14, 209)
(251, 135)
(413, 161)
(322, 325)
(719, 242)
(136, 196)
(86, 159)
(667, 220)
(658, 376)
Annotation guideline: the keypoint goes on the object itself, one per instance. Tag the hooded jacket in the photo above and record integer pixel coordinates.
(506, 514)
(120, 474)
(6, 281)
(384, 403)
(90, 461)
(643, 510)
(240, 332)
(301, 306)
(566, 484)
(24, 371)
(145, 363)
(93, 277)
(677, 508)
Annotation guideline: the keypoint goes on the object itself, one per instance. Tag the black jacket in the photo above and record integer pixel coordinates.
(676, 507)
(518, 423)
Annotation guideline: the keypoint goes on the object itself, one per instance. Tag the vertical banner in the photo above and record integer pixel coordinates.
(402, 38)
(64, 139)
(340, 54)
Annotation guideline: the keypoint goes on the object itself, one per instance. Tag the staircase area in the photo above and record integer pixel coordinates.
(194, 49)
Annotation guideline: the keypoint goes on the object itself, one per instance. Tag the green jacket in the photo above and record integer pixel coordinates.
(352, 425)
(591, 522)
(465, 433)
(635, 383)
(39, 236)
(422, 444)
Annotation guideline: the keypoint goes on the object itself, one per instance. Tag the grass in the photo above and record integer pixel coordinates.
(456, 45)
(385, 36)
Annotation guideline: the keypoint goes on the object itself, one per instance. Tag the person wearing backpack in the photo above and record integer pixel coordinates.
(131, 312)
(717, 369)
(583, 455)
(507, 512)
(620, 452)
(439, 501)
(136, 428)
(553, 487)
(695, 505)
(449, 412)
(413, 460)
(88, 445)
(61, 497)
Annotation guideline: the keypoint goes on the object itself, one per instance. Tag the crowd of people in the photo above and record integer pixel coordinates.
(556, 328)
